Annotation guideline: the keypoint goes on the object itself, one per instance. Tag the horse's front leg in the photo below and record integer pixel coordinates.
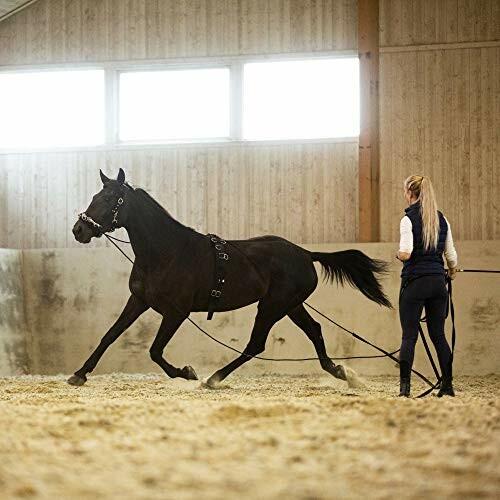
(134, 308)
(169, 325)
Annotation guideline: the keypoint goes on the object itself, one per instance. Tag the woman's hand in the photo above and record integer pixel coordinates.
(402, 256)
(451, 273)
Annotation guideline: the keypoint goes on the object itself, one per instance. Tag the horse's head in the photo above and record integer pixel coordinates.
(106, 212)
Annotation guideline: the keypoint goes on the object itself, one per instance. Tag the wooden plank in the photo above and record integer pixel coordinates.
(307, 195)
(116, 30)
(369, 162)
(449, 122)
(494, 21)
(451, 14)
(4, 215)
(317, 196)
(72, 23)
(495, 147)
(37, 31)
(440, 46)
(339, 165)
(385, 140)
(439, 167)
(230, 27)
(475, 173)
(26, 206)
(464, 141)
(55, 42)
(351, 174)
(94, 30)
(466, 20)
(153, 41)
(349, 38)
(419, 22)
(490, 142)
(136, 29)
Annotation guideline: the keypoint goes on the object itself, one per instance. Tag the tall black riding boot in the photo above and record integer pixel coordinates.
(404, 379)
(446, 388)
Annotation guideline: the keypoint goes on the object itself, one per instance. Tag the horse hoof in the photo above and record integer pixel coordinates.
(210, 383)
(188, 373)
(76, 380)
(206, 385)
(339, 372)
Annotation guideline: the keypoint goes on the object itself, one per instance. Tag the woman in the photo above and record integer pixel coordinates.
(425, 236)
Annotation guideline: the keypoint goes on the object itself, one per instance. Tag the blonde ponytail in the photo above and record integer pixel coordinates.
(422, 189)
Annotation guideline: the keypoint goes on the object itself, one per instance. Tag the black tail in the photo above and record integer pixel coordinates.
(357, 269)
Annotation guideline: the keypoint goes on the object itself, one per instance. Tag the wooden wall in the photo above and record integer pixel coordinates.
(439, 114)
(426, 22)
(440, 110)
(305, 192)
(103, 30)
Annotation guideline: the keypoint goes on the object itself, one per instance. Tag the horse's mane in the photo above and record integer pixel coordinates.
(151, 203)
(149, 199)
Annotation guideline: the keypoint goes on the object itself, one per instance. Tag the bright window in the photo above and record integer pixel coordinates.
(301, 99)
(174, 105)
(51, 109)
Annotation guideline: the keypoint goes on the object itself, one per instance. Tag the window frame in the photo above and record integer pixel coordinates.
(113, 69)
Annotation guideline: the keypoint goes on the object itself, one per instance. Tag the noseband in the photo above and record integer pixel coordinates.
(86, 218)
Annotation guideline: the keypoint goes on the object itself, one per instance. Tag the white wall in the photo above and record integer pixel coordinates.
(73, 295)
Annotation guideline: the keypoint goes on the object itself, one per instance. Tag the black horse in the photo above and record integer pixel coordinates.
(174, 272)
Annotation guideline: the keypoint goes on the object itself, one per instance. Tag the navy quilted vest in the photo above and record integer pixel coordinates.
(421, 261)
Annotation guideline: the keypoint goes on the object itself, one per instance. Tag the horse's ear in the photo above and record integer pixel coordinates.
(121, 176)
(104, 179)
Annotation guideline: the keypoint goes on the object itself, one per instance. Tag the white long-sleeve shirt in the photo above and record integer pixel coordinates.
(406, 241)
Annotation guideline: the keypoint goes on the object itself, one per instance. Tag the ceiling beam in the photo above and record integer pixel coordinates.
(10, 7)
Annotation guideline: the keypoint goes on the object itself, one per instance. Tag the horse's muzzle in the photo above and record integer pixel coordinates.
(82, 232)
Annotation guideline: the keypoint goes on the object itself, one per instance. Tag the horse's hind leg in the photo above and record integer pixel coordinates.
(312, 329)
(270, 311)
(255, 346)
(168, 327)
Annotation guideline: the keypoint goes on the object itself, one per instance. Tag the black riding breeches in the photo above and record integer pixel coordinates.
(429, 292)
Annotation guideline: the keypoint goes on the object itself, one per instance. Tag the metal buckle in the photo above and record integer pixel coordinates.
(218, 247)
(213, 239)
(223, 242)
(215, 293)
(223, 256)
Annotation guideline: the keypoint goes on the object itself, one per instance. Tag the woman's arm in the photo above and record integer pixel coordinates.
(405, 239)
(450, 253)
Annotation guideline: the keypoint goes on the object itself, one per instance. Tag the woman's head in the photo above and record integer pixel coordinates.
(419, 188)
(412, 188)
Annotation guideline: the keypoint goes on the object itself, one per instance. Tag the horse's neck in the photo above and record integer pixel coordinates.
(155, 236)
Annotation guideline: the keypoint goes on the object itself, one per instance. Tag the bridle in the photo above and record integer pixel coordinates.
(86, 218)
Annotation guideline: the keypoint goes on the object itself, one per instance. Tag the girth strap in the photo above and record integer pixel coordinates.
(221, 258)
